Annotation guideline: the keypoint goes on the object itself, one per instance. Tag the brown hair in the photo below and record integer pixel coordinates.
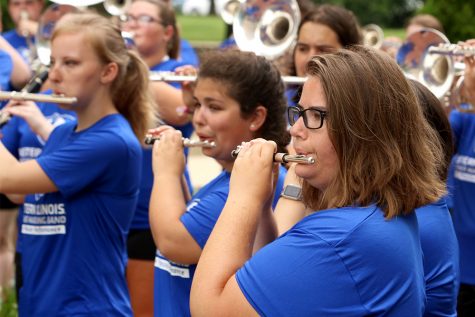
(252, 81)
(129, 91)
(435, 114)
(387, 151)
(342, 21)
(167, 17)
(427, 21)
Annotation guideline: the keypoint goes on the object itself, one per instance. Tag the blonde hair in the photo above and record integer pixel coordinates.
(388, 154)
(129, 91)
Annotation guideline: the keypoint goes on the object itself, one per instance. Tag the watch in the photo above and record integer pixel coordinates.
(293, 192)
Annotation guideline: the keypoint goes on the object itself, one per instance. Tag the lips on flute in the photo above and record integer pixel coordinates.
(284, 157)
(150, 139)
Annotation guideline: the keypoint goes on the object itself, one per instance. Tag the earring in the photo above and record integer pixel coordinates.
(252, 126)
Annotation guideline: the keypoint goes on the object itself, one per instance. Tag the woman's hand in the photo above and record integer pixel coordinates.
(253, 172)
(187, 87)
(29, 111)
(168, 156)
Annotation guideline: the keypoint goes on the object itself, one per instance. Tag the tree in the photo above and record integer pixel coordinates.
(457, 17)
(386, 13)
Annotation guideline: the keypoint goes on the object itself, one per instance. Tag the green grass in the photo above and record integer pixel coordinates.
(208, 29)
(212, 29)
(401, 33)
(8, 305)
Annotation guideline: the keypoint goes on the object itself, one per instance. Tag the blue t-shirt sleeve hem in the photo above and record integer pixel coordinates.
(246, 294)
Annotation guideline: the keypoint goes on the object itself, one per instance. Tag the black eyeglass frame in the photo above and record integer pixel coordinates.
(292, 110)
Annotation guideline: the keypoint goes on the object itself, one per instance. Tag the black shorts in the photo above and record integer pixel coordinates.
(140, 245)
(6, 204)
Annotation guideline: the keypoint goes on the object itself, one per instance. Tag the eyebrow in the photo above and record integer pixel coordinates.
(321, 108)
(211, 99)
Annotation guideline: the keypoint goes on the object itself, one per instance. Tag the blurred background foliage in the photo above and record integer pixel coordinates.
(457, 16)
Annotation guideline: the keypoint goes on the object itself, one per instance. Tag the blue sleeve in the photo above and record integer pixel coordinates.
(202, 214)
(293, 271)
(280, 185)
(456, 122)
(81, 163)
(11, 136)
(188, 54)
(6, 67)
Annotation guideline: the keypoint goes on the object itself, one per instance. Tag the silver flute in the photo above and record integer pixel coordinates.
(150, 139)
(169, 76)
(25, 96)
(283, 157)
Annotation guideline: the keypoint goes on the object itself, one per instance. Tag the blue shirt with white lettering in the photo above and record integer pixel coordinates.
(463, 191)
(172, 281)
(74, 251)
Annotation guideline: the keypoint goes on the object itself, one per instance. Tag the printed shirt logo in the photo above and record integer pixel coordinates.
(44, 219)
(465, 168)
(175, 269)
(56, 119)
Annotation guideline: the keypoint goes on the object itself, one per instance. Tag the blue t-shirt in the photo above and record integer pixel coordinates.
(188, 54)
(141, 219)
(441, 259)
(19, 43)
(6, 67)
(339, 262)
(463, 182)
(172, 281)
(74, 250)
(25, 145)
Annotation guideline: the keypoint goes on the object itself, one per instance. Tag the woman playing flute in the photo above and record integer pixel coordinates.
(358, 253)
(238, 96)
(84, 185)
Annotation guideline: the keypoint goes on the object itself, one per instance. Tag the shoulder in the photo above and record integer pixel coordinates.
(168, 65)
(113, 130)
(9, 35)
(339, 225)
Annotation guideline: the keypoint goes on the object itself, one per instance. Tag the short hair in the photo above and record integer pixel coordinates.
(129, 91)
(435, 114)
(342, 21)
(387, 151)
(427, 21)
(252, 81)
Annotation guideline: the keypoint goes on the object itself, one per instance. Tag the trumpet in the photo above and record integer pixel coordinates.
(283, 157)
(172, 77)
(150, 139)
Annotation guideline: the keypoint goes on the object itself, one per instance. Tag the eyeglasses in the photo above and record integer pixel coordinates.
(312, 117)
(142, 20)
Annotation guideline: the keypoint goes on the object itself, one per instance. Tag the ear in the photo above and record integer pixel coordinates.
(109, 73)
(258, 118)
(169, 31)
